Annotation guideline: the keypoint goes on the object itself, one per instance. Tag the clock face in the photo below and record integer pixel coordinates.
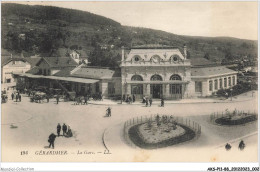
(155, 59)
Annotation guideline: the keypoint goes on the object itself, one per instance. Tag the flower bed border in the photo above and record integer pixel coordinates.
(244, 120)
(138, 141)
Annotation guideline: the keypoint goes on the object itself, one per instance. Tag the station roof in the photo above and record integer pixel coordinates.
(71, 79)
(64, 72)
(59, 61)
(7, 59)
(96, 72)
(198, 62)
(33, 60)
(211, 71)
(153, 46)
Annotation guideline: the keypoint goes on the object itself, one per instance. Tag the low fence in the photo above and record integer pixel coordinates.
(143, 119)
(227, 113)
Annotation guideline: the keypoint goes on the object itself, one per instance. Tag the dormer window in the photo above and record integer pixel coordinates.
(174, 58)
(136, 58)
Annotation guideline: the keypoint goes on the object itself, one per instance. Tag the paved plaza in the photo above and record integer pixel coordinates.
(93, 133)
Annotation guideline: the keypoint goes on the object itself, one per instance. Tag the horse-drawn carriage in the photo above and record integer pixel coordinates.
(97, 96)
(37, 97)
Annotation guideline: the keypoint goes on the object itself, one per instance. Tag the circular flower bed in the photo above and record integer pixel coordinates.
(236, 119)
(151, 134)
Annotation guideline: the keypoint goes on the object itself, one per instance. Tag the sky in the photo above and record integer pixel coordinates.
(232, 19)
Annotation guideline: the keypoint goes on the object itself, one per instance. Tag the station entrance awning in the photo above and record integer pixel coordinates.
(73, 79)
(69, 79)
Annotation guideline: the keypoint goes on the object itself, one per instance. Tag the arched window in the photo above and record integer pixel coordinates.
(175, 77)
(156, 78)
(136, 78)
(137, 89)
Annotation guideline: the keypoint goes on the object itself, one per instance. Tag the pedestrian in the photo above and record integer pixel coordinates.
(124, 98)
(162, 102)
(150, 101)
(241, 145)
(58, 129)
(133, 98)
(64, 129)
(58, 98)
(108, 111)
(81, 100)
(12, 95)
(16, 97)
(20, 97)
(146, 102)
(51, 140)
(86, 99)
(228, 147)
(101, 95)
(69, 133)
(130, 99)
(78, 100)
(144, 99)
(48, 98)
(127, 99)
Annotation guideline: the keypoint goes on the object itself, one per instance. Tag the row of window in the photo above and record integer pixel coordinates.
(155, 78)
(174, 89)
(218, 83)
(44, 72)
(157, 58)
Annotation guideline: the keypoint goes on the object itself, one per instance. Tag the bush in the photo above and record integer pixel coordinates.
(237, 89)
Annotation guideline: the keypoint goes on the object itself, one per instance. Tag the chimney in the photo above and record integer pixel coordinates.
(123, 53)
(185, 51)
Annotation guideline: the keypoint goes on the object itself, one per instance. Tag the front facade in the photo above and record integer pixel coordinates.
(165, 72)
(156, 72)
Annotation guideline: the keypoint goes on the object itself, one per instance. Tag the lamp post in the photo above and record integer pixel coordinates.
(231, 93)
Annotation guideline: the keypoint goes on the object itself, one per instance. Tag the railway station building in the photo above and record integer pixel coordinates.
(164, 71)
(152, 70)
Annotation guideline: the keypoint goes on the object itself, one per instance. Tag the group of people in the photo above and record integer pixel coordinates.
(241, 146)
(129, 99)
(66, 131)
(17, 96)
(147, 101)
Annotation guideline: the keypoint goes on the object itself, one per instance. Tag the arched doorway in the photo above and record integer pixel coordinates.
(176, 89)
(156, 89)
(137, 89)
